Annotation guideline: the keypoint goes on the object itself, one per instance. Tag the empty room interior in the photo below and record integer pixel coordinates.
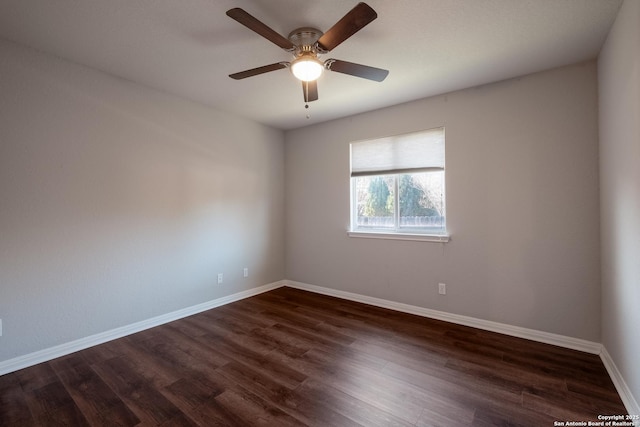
(441, 229)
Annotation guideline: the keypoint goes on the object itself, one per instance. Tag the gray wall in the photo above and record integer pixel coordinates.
(619, 82)
(119, 203)
(522, 202)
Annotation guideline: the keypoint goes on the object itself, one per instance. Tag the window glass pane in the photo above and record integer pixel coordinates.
(374, 201)
(421, 200)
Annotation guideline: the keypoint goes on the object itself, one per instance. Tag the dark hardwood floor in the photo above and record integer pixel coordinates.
(291, 358)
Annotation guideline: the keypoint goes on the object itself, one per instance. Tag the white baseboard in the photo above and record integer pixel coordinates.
(47, 354)
(623, 389)
(515, 331)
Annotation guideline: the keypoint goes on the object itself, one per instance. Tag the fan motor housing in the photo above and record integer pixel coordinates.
(305, 39)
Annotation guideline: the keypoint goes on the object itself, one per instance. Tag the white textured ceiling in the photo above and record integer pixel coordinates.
(188, 47)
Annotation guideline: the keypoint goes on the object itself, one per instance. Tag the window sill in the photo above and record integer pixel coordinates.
(440, 238)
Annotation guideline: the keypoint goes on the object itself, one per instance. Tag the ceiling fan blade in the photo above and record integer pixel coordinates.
(310, 91)
(356, 19)
(255, 25)
(260, 70)
(358, 70)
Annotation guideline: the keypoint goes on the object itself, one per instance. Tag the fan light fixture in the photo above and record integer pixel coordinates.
(306, 44)
(307, 68)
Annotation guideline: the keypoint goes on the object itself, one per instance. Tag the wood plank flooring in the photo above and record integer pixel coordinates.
(294, 358)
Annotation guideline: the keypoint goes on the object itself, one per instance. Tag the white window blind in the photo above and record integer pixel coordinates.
(414, 152)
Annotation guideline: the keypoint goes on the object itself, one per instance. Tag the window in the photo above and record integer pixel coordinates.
(397, 186)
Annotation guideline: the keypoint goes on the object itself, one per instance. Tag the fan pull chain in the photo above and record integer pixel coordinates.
(307, 107)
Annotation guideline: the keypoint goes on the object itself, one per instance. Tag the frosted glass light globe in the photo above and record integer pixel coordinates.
(306, 69)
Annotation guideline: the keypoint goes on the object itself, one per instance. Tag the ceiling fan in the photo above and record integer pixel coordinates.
(307, 43)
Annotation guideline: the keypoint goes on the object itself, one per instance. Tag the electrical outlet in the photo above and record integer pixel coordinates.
(219, 278)
(245, 272)
(442, 288)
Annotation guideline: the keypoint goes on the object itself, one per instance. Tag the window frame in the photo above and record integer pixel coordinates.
(397, 232)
